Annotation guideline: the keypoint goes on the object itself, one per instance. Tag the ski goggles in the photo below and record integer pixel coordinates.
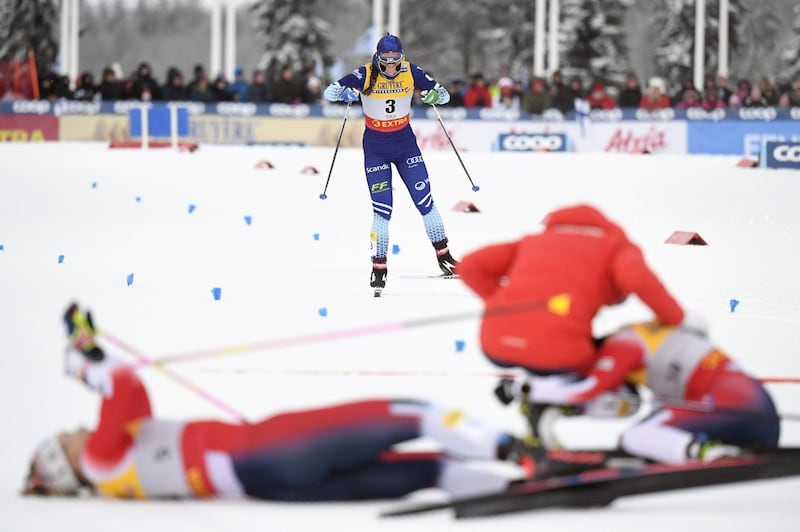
(390, 58)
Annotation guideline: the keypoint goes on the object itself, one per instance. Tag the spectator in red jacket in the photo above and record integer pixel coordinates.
(542, 292)
(477, 94)
(599, 98)
(656, 96)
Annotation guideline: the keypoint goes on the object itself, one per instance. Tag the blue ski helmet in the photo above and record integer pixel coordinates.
(389, 51)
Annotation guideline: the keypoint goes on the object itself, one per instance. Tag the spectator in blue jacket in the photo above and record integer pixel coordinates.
(240, 87)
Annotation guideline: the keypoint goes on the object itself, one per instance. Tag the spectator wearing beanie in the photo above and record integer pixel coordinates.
(656, 96)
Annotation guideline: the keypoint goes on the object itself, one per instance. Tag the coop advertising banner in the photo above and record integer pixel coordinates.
(612, 137)
(739, 137)
(25, 128)
(781, 155)
(532, 142)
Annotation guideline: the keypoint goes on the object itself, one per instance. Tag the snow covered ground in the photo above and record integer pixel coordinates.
(115, 213)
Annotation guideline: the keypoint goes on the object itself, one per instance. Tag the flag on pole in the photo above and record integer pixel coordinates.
(366, 43)
(582, 109)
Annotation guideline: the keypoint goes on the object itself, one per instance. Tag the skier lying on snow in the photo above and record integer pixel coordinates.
(705, 405)
(342, 452)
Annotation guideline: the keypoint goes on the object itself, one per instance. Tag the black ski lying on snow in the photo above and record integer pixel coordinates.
(600, 487)
(612, 459)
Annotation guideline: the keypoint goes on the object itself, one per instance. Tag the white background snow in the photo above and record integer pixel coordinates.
(275, 277)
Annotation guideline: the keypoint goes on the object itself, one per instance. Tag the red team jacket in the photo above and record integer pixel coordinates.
(583, 260)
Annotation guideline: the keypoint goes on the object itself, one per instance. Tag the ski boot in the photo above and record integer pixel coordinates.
(378, 278)
(538, 463)
(446, 261)
(710, 450)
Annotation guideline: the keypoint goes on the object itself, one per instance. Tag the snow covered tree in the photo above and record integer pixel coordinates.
(6, 17)
(462, 48)
(592, 40)
(293, 35)
(792, 54)
(29, 25)
(148, 17)
(507, 41)
(492, 36)
(673, 27)
(756, 50)
(610, 60)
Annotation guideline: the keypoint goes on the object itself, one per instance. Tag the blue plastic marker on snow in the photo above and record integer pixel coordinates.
(138, 199)
(217, 293)
(192, 207)
(1, 247)
(130, 279)
(323, 311)
(94, 184)
(734, 304)
(460, 344)
(60, 259)
(395, 249)
(316, 236)
(248, 220)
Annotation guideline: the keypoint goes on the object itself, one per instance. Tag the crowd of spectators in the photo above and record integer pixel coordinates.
(535, 96)
(539, 95)
(275, 85)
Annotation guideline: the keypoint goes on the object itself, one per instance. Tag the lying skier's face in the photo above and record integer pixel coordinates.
(72, 445)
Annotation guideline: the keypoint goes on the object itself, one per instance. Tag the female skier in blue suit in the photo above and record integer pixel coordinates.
(386, 86)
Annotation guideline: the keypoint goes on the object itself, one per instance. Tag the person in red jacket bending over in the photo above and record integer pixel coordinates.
(542, 292)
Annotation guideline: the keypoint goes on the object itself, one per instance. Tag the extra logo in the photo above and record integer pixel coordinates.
(781, 154)
(532, 142)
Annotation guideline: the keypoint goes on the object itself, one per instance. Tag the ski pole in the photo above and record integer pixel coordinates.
(558, 304)
(324, 194)
(197, 390)
(475, 187)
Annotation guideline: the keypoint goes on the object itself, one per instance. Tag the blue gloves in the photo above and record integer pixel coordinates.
(349, 95)
(336, 93)
(333, 92)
